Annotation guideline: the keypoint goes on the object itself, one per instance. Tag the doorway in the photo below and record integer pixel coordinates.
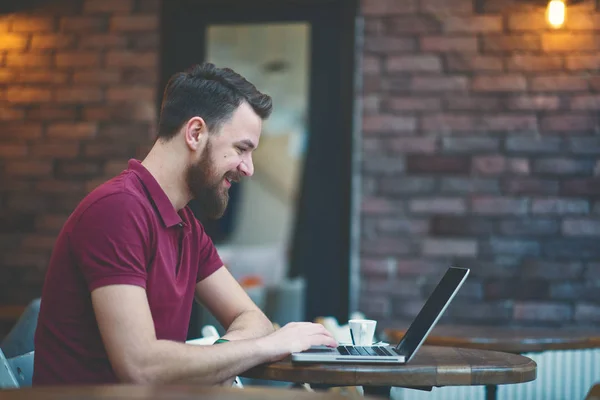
(302, 54)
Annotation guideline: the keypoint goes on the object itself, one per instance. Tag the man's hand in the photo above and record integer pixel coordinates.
(295, 337)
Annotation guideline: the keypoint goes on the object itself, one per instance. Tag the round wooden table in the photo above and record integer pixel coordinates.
(431, 366)
(505, 339)
(191, 392)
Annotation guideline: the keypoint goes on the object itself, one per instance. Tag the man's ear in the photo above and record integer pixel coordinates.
(195, 133)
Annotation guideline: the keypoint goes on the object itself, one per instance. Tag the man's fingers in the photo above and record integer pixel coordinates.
(326, 341)
(319, 335)
(322, 330)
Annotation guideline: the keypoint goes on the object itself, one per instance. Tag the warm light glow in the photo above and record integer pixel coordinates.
(556, 13)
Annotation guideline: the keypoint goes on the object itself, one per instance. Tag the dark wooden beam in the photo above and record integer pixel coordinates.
(11, 6)
(478, 6)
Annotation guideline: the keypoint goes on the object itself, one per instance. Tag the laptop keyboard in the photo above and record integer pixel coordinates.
(364, 351)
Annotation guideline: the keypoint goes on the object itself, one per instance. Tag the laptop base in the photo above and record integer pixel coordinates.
(324, 354)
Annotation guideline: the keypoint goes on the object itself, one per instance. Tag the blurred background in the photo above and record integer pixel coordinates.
(407, 136)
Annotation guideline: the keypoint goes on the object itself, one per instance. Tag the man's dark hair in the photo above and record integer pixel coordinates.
(210, 93)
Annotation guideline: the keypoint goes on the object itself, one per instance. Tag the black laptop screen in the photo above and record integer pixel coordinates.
(433, 307)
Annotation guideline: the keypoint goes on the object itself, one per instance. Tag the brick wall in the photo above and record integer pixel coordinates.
(77, 99)
(480, 149)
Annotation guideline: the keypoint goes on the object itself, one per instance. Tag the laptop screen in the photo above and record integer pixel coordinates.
(432, 310)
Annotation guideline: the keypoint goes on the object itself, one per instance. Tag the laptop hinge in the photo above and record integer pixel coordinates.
(401, 349)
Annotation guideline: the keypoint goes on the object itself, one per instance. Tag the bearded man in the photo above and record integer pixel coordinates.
(132, 257)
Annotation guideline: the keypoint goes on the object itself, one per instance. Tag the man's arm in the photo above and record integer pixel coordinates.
(136, 355)
(223, 296)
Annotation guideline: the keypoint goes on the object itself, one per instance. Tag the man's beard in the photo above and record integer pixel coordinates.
(207, 187)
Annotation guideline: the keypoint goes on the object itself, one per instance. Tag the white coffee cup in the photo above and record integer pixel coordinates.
(362, 331)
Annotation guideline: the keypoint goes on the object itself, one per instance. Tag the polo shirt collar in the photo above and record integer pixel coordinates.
(157, 195)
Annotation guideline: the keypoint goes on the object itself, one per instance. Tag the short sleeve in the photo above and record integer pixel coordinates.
(111, 241)
(209, 259)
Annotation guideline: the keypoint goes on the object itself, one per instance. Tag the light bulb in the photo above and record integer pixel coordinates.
(556, 13)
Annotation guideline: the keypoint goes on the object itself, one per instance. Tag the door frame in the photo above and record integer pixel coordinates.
(191, 17)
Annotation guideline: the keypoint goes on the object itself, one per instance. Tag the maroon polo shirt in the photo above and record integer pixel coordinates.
(124, 232)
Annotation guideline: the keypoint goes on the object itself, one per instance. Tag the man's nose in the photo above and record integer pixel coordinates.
(247, 167)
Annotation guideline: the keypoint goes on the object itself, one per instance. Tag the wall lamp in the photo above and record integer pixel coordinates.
(556, 10)
(556, 13)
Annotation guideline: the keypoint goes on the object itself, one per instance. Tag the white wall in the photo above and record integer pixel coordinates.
(262, 216)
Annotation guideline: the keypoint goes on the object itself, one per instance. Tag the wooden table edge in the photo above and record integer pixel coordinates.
(163, 392)
(526, 373)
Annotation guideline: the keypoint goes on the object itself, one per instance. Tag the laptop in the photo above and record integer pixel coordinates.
(410, 343)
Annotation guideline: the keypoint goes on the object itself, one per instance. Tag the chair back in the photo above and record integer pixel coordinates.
(20, 338)
(8, 380)
(22, 368)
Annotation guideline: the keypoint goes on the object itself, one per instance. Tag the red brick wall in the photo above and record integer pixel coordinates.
(480, 149)
(77, 99)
